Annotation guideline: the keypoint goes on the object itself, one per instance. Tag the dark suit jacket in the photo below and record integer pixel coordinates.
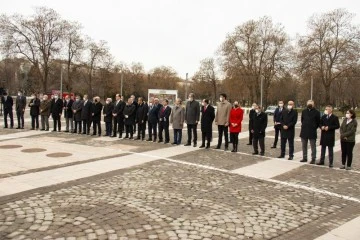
(56, 108)
(129, 111)
(96, 110)
(35, 108)
(277, 114)
(288, 118)
(141, 112)
(108, 110)
(86, 110)
(8, 103)
(20, 103)
(154, 113)
(68, 113)
(328, 137)
(259, 125)
(251, 118)
(119, 109)
(164, 114)
(192, 112)
(310, 121)
(207, 118)
(77, 107)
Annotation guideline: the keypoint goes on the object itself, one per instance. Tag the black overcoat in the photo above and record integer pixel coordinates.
(328, 137)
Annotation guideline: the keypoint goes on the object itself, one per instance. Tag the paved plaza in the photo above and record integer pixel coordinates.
(69, 186)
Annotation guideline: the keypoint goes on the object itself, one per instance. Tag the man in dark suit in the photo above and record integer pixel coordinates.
(86, 115)
(153, 118)
(277, 123)
(192, 117)
(207, 119)
(129, 118)
(8, 103)
(251, 118)
(135, 103)
(68, 113)
(56, 111)
(96, 115)
(141, 118)
(77, 108)
(310, 121)
(118, 115)
(34, 111)
(258, 130)
(328, 124)
(164, 119)
(288, 121)
(20, 109)
(107, 112)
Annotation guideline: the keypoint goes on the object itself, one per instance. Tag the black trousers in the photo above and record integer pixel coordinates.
(118, 126)
(77, 123)
(141, 130)
(259, 141)
(331, 154)
(108, 128)
(57, 123)
(129, 130)
(97, 127)
(347, 153)
(20, 118)
(35, 121)
(250, 136)
(234, 138)
(277, 133)
(291, 146)
(192, 129)
(10, 113)
(206, 136)
(223, 130)
(164, 126)
(86, 126)
(152, 128)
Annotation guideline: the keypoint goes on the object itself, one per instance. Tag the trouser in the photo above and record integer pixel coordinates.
(69, 121)
(35, 121)
(86, 126)
(10, 113)
(20, 118)
(192, 129)
(291, 146)
(259, 141)
(141, 130)
(177, 136)
(118, 126)
(97, 127)
(250, 136)
(223, 130)
(129, 130)
(331, 154)
(347, 153)
(164, 126)
(206, 136)
(77, 123)
(57, 123)
(277, 133)
(108, 128)
(134, 128)
(304, 142)
(152, 130)
(45, 122)
(234, 138)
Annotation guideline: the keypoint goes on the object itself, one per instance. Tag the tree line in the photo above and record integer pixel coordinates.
(258, 54)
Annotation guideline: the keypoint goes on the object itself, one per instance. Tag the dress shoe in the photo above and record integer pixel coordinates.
(331, 165)
(6, 127)
(149, 140)
(207, 146)
(320, 163)
(160, 141)
(255, 153)
(42, 129)
(18, 128)
(66, 131)
(154, 140)
(94, 134)
(312, 161)
(234, 150)
(131, 138)
(281, 156)
(53, 130)
(273, 147)
(166, 142)
(22, 127)
(348, 168)
(342, 167)
(303, 160)
(262, 154)
(249, 144)
(188, 144)
(137, 138)
(217, 147)
(202, 146)
(173, 143)
(226, 149)
(291, 158)
(194, 145)
(32, 128)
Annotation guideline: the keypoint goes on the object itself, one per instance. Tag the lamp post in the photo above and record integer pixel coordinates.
(122, 83)
(261, 90)
(61, 82)
(311, 88)
(186, 89)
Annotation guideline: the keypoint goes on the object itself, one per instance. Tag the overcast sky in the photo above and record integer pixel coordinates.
(176, 33)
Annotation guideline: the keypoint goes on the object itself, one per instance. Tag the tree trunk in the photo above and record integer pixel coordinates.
(327, 94)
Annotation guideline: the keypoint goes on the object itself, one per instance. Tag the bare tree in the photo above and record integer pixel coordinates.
(37, 38)
(331, 48)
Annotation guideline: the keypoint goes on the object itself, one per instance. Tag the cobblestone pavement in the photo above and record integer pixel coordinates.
(194, 195)
(165, 200)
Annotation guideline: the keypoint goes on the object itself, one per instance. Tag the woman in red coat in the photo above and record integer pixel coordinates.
(236, 117)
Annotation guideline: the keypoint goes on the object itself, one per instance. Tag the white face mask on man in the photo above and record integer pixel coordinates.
(281, 105)
(326, 112)
(348, 116)
(221, 99)
(289, 107)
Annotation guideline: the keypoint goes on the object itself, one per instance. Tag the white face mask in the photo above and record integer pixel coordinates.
(289, 107)
(326, 112)
(56, 97)
(32, 97)
(348, 116)
(281, 105)
(252, 107)
(19, 94)
(150, 104)
(44, 99)
(107, 102)
(257, 110)
(203, 104)
(190, 99)
(221, 99)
